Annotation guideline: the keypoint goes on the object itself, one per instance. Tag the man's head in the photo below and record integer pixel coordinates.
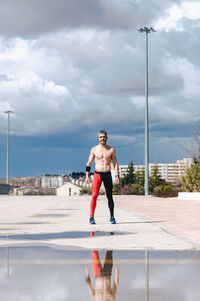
(102, 137)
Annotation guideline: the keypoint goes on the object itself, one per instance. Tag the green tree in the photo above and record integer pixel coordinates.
(139, 177)
(194, 151)
(191, 179)
(155, 179)
(129, 177)
(138, 186)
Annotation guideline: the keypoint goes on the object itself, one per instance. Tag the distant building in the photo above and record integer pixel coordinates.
(2, 181)
(51, 181)
(68, 189)
(24, 181)
(170, 172)
(82, 183)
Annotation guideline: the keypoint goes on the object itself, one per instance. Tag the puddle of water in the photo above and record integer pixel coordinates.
(44, 273)
(50, 215)
(43, 236)
(33, 223)
(25, 223)
(75, 209)
(7, 229)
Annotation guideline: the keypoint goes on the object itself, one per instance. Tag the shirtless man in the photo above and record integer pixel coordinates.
(102, 154)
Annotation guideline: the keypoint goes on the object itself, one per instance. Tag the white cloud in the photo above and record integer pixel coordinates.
(122, 139)
(191, 9)
(139, 102)
(189, 72)
(171, 21)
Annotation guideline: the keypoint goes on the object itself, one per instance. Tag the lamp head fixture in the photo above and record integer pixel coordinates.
(147, 30)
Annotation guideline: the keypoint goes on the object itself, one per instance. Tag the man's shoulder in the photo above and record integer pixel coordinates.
(110, 148)
(93, 149)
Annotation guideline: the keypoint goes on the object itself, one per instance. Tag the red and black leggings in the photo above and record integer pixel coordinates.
(98, 270)
(106, 178)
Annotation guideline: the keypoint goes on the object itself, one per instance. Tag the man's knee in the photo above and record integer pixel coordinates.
(95, 196)
(109, 194)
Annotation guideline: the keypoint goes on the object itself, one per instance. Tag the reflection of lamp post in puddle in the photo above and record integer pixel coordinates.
(8, 258)
(102, 290)
(147, 275)
(7, 262)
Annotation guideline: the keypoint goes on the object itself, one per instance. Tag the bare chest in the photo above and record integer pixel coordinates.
(103, 154)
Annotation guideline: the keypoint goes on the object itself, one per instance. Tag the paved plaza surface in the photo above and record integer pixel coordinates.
(143, 223)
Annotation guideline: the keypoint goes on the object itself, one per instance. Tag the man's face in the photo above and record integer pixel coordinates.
(102, 138)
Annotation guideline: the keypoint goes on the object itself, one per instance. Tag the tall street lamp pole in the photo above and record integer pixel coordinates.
(8, 147)
(146, 185)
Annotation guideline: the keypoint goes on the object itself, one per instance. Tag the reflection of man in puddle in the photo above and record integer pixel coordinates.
(102, 290)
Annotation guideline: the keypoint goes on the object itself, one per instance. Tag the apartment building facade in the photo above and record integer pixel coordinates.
(52, 181)
(171, 172)
(25, 181)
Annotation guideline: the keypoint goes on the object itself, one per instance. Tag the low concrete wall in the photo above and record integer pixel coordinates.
(189, 196)
(4, 188)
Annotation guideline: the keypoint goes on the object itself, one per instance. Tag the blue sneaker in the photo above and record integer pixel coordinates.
(112, 220)
(91, 220)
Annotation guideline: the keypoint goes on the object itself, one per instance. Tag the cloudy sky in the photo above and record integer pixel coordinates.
(71, 67)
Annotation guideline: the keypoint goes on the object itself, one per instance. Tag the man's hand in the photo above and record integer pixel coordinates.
(87, 180)
(87, 272)
(117, 275)
(117, 180)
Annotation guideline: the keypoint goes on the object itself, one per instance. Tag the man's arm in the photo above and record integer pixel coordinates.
(88, 166)
(116, 167)
(89, 284)
(116, 282)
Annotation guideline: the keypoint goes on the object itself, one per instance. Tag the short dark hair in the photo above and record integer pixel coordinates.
(102, 132)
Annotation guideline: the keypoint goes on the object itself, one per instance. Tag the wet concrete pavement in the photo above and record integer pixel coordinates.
(145, 223)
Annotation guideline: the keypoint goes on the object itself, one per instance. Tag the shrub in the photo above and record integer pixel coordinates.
(167, 189)
(126, 189)
(116, 188)
(171, 194)
(85, 191)
(137, 189)
(101, 192)
(157, 191)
